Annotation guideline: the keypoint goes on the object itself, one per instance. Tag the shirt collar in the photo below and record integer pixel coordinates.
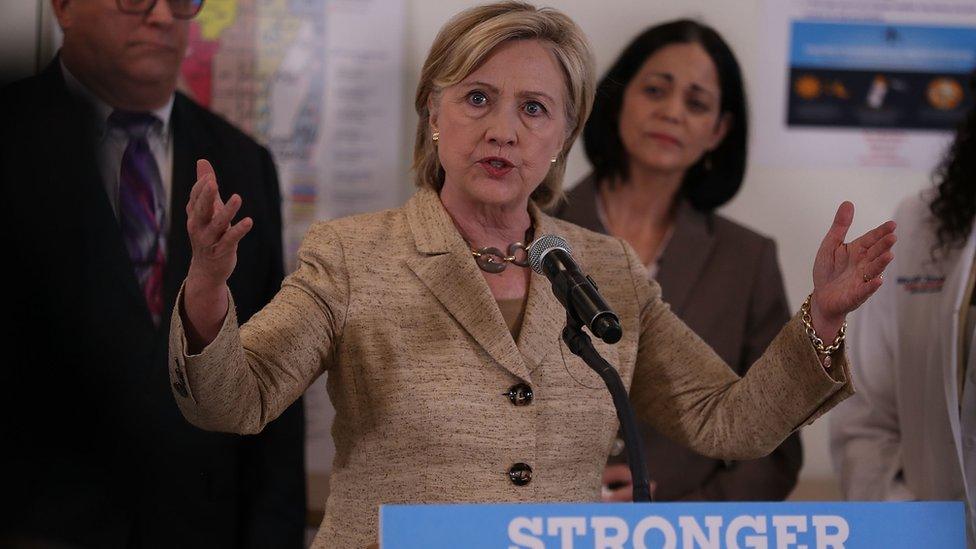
(103, 109)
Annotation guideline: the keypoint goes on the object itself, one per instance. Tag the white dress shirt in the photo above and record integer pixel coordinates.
(113, 141)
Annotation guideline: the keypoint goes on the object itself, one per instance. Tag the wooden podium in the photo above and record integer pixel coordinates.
(820, 525)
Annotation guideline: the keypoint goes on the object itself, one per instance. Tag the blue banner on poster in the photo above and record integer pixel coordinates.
(675, 525)
(905, 48)
(860, 75)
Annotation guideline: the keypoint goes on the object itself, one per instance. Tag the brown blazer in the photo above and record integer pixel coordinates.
(419, 362)
(724, 282)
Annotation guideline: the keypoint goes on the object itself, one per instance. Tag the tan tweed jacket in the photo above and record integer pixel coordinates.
(419, 361)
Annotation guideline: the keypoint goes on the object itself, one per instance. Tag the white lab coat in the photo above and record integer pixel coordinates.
(899, 436)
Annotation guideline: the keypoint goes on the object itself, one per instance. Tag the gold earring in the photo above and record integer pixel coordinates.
(435, 136)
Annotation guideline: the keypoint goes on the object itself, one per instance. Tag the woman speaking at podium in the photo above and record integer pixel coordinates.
(443, 351)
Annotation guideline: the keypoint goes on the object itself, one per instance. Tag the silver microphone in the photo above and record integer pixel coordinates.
(552, 257)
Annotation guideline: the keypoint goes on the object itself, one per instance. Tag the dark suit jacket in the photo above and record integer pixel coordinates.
(96, 452)
(723, 281)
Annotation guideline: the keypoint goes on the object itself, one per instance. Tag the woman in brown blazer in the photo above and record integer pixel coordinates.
(667, 139)
(448, 377)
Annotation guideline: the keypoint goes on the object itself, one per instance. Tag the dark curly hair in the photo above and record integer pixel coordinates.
(954, 205)
(705, 189)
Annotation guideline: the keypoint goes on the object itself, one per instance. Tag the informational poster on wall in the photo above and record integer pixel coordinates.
(863, 83)
(319, 83)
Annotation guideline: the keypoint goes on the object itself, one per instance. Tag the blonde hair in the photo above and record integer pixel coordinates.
(467, 40)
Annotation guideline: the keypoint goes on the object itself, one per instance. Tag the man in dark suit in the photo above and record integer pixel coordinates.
(97, 158)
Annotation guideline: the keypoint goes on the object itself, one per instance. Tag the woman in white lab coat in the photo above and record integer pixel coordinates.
(909, 433)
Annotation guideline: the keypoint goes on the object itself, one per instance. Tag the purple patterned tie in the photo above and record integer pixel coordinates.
(139, 180)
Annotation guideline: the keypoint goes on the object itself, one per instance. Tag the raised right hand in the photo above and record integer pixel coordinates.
(214, 242)
(212, 236)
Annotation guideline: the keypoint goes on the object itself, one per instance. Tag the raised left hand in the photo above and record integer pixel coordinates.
(846, 274)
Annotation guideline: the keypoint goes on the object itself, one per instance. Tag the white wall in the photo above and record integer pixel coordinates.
(19, 23)
(28, 38)
(793, 206)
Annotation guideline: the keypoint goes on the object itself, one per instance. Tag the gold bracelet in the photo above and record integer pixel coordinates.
(818, 343)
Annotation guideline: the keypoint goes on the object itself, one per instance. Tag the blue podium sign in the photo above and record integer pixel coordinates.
(818, 525)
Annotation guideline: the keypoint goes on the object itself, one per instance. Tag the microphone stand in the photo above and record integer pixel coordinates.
(580, 345)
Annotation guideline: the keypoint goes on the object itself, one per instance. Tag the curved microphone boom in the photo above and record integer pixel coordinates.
(552, 257)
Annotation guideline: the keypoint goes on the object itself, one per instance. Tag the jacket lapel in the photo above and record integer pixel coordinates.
(693, 240)
(445, 266)
(544, 317)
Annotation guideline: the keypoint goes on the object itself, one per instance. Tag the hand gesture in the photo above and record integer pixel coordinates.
(212, 236)
(846, 274)
(214, 242)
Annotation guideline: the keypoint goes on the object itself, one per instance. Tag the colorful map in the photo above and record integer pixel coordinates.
(261, 64)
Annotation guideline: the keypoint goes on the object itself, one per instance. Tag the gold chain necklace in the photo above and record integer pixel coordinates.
(492, 260)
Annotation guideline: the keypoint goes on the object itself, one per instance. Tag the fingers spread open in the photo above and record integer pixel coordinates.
(223, 216)
(227, 211)
(219, 222)
(198, 188)
(880, 246)
(205, 173)
(874, 268)
(203, 206)
(879, 233)
(842, 222)
(232, 236)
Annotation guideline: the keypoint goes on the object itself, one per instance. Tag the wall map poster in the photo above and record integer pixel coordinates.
(319, 83)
